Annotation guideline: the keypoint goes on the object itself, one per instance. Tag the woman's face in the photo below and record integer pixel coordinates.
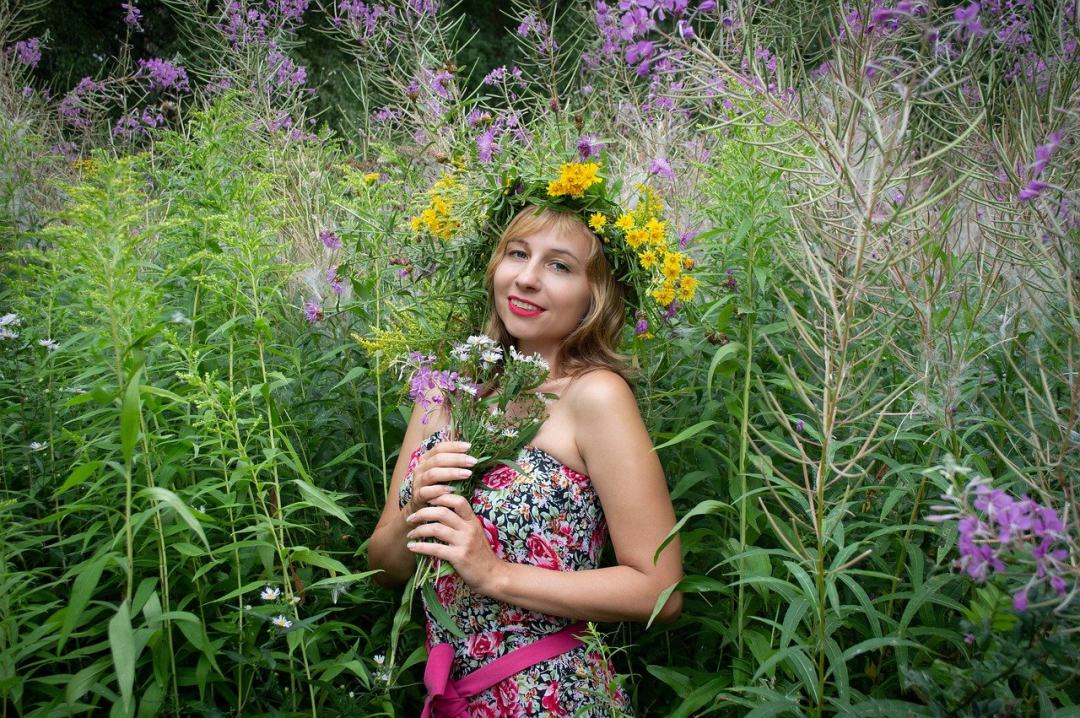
(541, 290)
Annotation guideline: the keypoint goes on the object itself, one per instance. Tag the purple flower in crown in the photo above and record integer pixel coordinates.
(588, 146)
(28, 52)
(968, 20)
(661, 167)
(329, 239)
(641, 327)
(313, 311)
(163, 75)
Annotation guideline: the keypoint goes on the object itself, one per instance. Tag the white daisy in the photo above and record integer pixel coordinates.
(49, 344)
(38, 445)
(270, 593)
(10, 319)
(281, 622)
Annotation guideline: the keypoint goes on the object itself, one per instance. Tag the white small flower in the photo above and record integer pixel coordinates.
(49, 344)
(460, 352)
(247, 607)
(352, 694)
(469, 388)
(510, 432)
(480, 340)
(294, 600)
(281, 622)
(379, 659)
(10, 319)
(539, 361)
(382, 676)
(491, 356)
(179, 318)
(6, 333)
(38, 445)
(270, 593)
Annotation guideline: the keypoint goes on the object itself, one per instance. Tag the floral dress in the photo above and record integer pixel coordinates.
(549, 516)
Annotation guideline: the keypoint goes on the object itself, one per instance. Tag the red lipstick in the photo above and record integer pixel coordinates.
(514, 309)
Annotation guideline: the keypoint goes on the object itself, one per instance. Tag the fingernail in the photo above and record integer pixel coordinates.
(464, 473)
(410, 518)
(471, 461)
(466, 445)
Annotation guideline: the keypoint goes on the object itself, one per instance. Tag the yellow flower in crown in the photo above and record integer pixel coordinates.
(597, 221)
(665, 295)
(647, 259)
(687, 287)
(371, 178)
(657, 231)
(636, 237)
(574, 178)
(672, 265)
(625, 222)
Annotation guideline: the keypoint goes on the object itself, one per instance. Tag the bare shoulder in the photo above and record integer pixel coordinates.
(599, 390)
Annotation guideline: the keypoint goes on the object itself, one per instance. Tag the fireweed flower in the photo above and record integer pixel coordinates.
(329, 239)
(163, 75)
(29, 52)
(993, 526)
(132, 15)
(661, 167)
(968, 20)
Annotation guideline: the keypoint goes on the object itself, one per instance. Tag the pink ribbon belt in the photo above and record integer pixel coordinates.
(447, 698)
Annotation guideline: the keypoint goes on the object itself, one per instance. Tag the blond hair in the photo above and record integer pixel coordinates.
(592, 344)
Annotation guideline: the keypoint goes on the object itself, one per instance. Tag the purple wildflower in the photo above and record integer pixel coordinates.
(486, 145)
(800, 425)
(478, 117)
(429, 386)
(335, 281)
(706, 6)
(286, 73)
(163, 75)
(313, 311)
(968, 19)
(438, 83)
(132, 15)
(639, 51)
(329, 239)
(661, 167)
(29, 51)
(686, 238)
(385, 115)
(685, 30)
(969, 638)
(588, 146)
(641, 327)
(1043, 153)
(1033, 190)
(1020, 600)
(290, 10)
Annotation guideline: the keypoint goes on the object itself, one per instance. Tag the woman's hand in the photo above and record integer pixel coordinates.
(450, 519)
(441, 464)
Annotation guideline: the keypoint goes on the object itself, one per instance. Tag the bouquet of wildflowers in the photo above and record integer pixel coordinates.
(493, 404)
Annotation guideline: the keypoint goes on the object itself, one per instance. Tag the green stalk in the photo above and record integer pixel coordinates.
(744, 431)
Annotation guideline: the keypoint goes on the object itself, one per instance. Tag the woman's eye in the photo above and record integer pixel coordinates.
(516, 253)
(561, 267)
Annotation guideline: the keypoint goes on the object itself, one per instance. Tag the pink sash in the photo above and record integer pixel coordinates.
(447, 698)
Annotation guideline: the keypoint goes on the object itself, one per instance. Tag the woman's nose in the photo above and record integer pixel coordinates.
(528, 275)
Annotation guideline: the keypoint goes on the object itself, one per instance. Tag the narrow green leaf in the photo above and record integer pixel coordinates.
(86, 580)
(79, 475)
(130, 417)
(719, 356)
(437, 611)
(122, 645)
(709, 506)
(685, 434)
(164, 496)
(319, 499)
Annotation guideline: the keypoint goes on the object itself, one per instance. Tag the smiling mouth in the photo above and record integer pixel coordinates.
(522, 308)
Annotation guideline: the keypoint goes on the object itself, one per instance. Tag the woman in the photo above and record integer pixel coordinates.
(551, 292)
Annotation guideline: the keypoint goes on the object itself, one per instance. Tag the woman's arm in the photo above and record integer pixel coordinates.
(628, 478)
(444, 462)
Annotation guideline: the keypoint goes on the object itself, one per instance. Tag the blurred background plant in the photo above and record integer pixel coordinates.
(209, 272)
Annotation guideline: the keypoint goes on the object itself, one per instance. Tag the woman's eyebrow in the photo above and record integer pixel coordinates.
(553, 250)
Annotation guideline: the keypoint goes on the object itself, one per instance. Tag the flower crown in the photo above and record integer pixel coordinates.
(637, 241)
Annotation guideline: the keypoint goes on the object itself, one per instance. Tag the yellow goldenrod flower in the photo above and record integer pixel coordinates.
(647, 259)
(597, 221)
(371, 178)
(625, 222)
(414, 223)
